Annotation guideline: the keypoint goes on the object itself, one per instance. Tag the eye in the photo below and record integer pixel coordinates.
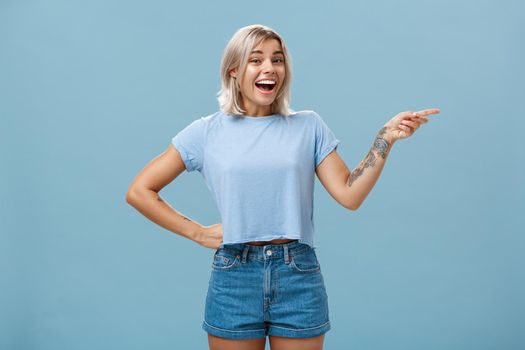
(277, 60)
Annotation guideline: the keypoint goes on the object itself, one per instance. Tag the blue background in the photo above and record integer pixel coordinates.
(91, 91)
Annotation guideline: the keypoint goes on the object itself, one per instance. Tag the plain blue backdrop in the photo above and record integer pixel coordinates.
(91, 91)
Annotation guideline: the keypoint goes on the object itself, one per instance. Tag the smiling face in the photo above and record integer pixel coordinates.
(263, 77)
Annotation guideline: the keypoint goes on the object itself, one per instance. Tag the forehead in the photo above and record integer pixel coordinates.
(269, 46)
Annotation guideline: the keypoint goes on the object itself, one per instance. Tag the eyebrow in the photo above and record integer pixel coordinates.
(275, 52)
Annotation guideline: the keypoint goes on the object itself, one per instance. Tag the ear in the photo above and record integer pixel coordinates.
(233, 73)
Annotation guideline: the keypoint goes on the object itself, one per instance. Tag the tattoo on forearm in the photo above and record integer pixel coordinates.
(380, 146)
(369, 161)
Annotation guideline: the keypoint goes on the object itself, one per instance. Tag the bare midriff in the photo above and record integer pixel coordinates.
(275, 241)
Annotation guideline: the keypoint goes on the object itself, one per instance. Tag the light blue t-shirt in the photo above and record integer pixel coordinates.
(260, 171)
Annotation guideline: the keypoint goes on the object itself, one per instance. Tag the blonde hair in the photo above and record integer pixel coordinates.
(236, 55)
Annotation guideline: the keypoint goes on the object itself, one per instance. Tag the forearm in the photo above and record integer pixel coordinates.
(152, 206)
(361, 180)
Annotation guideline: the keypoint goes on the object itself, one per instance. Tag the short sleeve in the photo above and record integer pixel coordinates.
(190, 144)
(325, 140)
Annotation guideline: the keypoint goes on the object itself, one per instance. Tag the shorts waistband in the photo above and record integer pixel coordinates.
(266, 251)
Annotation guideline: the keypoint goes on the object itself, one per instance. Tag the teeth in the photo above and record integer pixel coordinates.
(266, 82)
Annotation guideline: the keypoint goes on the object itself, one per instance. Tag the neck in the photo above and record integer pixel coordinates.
(258, 111)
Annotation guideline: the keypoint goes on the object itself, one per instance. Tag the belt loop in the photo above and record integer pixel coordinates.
(286, 257)
(245, 253)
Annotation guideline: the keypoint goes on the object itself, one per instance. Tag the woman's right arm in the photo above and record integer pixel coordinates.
(143, 195)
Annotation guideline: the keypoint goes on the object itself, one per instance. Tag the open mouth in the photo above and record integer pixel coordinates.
(266, 86)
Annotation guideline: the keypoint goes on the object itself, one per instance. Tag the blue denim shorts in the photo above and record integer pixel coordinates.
(255, 291)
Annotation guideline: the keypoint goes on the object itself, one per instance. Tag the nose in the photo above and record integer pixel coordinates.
(268, 67)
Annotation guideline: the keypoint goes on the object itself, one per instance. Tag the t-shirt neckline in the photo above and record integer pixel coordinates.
(253, 117)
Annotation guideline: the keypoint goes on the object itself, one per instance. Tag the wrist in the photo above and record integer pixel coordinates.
(197, 233)
(386, 135)
(390, 139)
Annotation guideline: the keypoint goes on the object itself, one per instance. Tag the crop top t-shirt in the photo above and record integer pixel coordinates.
(260, 171)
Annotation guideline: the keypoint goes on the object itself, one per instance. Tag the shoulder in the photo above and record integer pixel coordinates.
(203, 122)
(307, 118)
(211, 117)
(306, 113)
(208, 118)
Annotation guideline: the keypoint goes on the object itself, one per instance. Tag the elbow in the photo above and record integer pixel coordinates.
(131, 196)
(351, 206)
(134, 194)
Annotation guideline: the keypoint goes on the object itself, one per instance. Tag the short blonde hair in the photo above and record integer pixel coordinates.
(236, 55)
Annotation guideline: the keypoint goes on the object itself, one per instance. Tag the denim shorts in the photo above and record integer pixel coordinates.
(255, 291)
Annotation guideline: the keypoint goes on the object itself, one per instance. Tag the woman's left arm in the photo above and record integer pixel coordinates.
(350, 188)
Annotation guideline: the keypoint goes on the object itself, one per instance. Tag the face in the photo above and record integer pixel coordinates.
(263, 77)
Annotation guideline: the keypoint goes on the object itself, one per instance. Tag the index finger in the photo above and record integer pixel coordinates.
(426, 112)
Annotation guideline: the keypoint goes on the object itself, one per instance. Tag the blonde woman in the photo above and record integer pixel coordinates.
(258, 158)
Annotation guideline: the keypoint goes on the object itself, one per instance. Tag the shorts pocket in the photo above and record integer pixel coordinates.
(305, 262)
(223, 260)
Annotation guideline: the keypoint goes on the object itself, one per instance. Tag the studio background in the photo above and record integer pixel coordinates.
(92, 91)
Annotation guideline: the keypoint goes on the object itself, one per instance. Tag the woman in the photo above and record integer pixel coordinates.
(258, 158)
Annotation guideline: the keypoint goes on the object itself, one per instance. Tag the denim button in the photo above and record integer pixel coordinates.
(269, 252)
